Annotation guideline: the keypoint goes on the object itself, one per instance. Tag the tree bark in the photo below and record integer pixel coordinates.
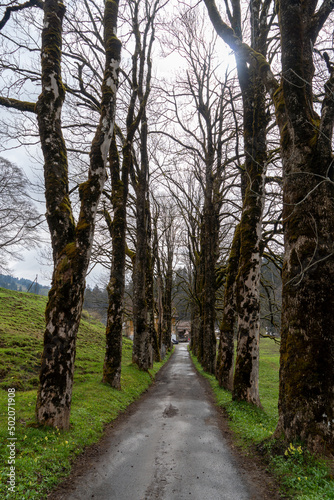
(209, 255)
(142, 354)
(225, 357)
(167, 324)
(116, 285)
(149, 285)
(71, 243)
(306, 396)
(246, 375)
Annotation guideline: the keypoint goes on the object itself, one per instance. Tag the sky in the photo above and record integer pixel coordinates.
(30, 266)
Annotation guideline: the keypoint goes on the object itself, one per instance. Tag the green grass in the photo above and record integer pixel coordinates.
(43, 455)
(21, 334)
(301, 475)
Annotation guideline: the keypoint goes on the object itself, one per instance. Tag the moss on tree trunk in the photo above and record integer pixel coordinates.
(209, 255)
(71, 243)
(306, 396)
(116, 286)
(143, 316)
(225, 358)
(247, 294)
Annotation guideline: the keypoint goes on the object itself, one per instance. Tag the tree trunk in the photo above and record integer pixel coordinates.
(71, 243)
(159, 287)
(142, 353)
(113, 357)
(150, 288)
(225, 358)
(245, 383)
(306, 396)
(62, 315)
(195, 290)
(306, 401)
(208, 258)
(167, 329)
(142, 342)
(194, 332)
(117, 228)
(160, 294)
(246, 375)
(209, 251)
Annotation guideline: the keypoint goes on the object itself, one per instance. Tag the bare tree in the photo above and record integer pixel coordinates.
(187, 196)
(71, 241)
(115, 288)
(307, 372)
(19, 219)
(201, 103)
(145, 337)
(139, 18)
(255, 118)
(164, 251)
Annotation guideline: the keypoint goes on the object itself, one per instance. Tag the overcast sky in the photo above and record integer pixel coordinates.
(30, 266)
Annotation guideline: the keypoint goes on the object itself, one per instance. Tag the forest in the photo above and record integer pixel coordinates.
(184, 147)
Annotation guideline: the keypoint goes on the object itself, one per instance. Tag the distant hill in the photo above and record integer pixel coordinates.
(23, 285)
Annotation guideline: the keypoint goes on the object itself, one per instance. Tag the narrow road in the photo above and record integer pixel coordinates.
(170, 448)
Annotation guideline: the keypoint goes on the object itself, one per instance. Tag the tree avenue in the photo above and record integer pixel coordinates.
(123, 157)
(71, 242)
(185, 189)
(306, 403)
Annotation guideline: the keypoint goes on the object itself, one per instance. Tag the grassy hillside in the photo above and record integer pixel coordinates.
(43, 456)
(21, 340)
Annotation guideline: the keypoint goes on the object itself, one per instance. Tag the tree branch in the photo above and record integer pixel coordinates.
(241, 49)
(8, 102)
(15, 8)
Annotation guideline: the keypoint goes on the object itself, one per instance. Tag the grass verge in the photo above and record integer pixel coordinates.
(43, 456)
(301, 475)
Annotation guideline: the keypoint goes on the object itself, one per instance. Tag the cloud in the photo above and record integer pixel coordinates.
(30, 267)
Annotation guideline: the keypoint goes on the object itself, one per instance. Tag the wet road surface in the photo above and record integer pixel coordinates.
(170, 448)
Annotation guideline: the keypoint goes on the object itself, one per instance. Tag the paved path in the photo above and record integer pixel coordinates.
(170, 448)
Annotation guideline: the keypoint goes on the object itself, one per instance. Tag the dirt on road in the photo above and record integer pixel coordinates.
(172, 444)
